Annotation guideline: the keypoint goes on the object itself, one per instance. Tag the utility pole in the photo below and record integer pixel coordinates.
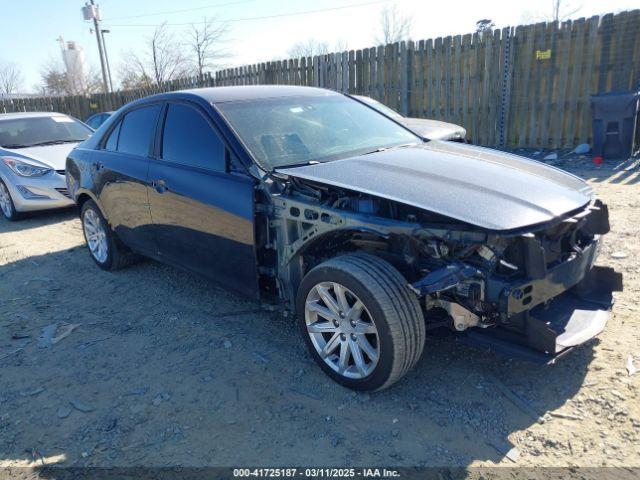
(106, 57)
(90, 12)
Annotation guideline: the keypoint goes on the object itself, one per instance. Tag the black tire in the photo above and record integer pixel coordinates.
(393, 307)
(13, 213)
(118, 255)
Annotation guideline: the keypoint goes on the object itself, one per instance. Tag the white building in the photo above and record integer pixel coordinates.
(76, 65)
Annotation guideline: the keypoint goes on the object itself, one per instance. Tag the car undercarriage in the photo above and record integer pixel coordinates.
(532, 293)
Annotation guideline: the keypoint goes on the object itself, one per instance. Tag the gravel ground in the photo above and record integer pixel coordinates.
(166, 369)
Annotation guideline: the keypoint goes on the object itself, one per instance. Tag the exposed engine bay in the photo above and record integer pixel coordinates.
(530, 289)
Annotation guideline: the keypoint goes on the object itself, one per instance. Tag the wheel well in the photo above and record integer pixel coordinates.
(82, 199)
(338, 242)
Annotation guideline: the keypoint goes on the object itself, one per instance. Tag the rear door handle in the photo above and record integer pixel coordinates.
(160, 186)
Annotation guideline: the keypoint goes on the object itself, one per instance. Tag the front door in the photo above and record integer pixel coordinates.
(202, 215)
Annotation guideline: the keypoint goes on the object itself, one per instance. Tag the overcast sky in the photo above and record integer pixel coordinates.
(260, 30)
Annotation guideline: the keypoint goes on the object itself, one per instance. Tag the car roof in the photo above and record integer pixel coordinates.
(16, 115)
(255, 92)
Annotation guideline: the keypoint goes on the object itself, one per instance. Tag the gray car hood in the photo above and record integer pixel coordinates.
(52, 156)
(475, 185)
(434, 129)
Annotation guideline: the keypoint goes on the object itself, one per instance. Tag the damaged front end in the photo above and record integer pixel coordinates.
(535, 294)
(532, 293)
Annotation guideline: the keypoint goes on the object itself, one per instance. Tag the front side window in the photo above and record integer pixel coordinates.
(297, 130)
(36, 131)
(188, 139)
(137, 130)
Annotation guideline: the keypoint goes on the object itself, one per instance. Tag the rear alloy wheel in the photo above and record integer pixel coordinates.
(6, 203)
(361, 322)
(105, 248)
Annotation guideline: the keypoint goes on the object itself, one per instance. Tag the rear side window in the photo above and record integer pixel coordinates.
(94, 122)
(188, 139)
(112, 141)
(137, 129)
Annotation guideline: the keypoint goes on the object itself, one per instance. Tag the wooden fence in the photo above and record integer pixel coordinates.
(527, 86)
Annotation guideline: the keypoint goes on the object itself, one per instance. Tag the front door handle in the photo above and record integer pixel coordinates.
(160, 186)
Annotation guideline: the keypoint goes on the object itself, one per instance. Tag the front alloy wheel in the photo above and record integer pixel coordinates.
(6, 203)
(342, 330)
(361, 322)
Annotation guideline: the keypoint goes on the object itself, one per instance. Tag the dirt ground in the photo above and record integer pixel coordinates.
(167, 369)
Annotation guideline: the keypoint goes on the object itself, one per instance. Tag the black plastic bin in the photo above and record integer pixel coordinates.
(615, 124)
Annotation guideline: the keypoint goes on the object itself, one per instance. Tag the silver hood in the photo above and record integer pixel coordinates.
(52, 156)
(475, 185)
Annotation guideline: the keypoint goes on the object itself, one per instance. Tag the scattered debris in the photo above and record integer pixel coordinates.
(227, 344)
(6, 355)
(513, 454)
(34, 392)
(517, 401)
(567, 416)
(551, 156)
(581, 149)
(260, 358)
(19, 336)
(48, 336)
(631, 368)
(619, 255)
(35, 454)
(81, 406)
(158, 399)
(617, 394)
(91, 342)
(138, 391)
(63, 412)
(505, 448)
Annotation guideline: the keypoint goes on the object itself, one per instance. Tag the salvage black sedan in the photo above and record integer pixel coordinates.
(308, 198)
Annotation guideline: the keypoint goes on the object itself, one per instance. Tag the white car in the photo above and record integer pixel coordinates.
(33, 151)
(423, 127)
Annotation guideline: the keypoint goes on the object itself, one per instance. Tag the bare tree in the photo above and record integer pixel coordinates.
(395, 26)
(161, 61)
(206, 43)
(57, 81)
(308, 48)
(10, 78)
(132, 79)
(562, 10)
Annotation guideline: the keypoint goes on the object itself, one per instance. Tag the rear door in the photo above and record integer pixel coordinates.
(120, 170)
(202, 213)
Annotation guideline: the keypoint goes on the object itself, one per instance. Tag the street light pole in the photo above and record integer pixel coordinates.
(90, 12)
(106, 57)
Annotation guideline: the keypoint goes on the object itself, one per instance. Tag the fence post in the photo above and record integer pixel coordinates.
(405, 77)
(505, 87)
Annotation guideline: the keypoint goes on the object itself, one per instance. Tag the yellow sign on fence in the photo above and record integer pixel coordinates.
(543, 54)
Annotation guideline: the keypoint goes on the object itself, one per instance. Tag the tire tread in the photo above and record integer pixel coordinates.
(400, 305)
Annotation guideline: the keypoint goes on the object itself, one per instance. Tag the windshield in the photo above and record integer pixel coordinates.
(32, 131)
(382, 108)
(297, 130)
